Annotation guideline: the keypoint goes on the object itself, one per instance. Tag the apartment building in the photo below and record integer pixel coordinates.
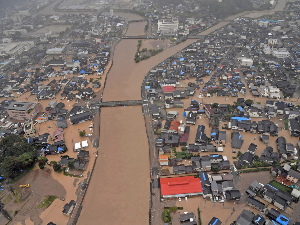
(24, 110)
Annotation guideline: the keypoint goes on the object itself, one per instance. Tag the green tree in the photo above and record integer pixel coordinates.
(82, 133)
(249, 102)
(57, 167)
(17, 154)
(42, 162)
(228, 117)
(71, 164)
(239, 153)
(215, 169)
(216, 121)
(166, 215)
(215, 105)
(41, 165)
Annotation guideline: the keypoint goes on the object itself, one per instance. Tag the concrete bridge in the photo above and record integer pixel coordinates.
(136, 37)
(135, 21)
(119, 103)
(196, 36)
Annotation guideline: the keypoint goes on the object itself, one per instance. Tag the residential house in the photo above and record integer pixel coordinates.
(245, 218)
(163, 160)
(215, 221)
(234, 195)
(78, 114)
(187, 217)
(293, 176)
(68, 208)
(255, 203)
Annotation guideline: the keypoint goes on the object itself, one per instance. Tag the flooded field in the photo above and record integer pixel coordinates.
(119, 188)
(55, 29)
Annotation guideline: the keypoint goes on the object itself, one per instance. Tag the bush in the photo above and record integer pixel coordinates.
(47, 201)
(166, 215)
(286, 124)
(183, 148)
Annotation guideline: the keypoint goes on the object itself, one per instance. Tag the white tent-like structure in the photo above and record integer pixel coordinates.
(77, 146)
(85, 144)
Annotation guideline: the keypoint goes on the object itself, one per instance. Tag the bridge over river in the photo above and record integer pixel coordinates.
(119, 103)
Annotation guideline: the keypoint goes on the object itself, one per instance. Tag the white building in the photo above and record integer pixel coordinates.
(14, 31)
(272, 41)
(15, 48)
(54, 51)
(168, 26)
(7, 40)
(280, 54)
(246, 62)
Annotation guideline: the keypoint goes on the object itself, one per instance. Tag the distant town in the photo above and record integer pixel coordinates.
(150, 112)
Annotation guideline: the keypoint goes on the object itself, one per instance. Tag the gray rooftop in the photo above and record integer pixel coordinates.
(19, 106)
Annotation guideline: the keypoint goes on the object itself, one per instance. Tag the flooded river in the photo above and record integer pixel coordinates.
(119, 188)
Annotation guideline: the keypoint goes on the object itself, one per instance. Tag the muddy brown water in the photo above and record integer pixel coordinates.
(119, 189)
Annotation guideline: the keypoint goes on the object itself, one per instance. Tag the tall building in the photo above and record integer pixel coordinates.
(24, 110)
(29, 129)
(167, 26)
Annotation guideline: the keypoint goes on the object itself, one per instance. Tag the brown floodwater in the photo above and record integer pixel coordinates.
(119, 189)
(125, 77)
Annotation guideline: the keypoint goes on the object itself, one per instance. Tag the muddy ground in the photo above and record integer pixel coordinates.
(41, 184)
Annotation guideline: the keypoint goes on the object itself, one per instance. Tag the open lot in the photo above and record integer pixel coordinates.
(119, 187)
(27, 200)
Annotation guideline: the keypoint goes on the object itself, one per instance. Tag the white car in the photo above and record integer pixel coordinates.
(179, 199)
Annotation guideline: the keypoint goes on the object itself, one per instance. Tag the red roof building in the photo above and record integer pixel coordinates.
(174, 125)
(168, 89)
(180, 187)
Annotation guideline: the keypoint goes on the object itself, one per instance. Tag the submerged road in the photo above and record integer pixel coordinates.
(119, 189)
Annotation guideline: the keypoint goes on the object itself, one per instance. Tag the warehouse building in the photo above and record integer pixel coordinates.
(176, 187)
